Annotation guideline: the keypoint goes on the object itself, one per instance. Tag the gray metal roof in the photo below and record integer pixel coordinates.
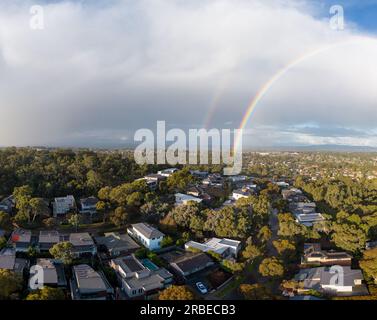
(147, 231)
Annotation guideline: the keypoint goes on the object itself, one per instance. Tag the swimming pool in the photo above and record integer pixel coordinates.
(149, 264)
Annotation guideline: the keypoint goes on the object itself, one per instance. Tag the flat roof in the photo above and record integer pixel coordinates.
(88, 279)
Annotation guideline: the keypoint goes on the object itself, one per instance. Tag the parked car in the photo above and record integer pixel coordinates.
(201, 287)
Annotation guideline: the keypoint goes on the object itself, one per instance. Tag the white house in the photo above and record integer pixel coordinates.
(140, 277)
(147, 235)
(241, 193)
(308, 219)
(331, 280)
(181, 198)
(63, 205)
(282, 184)
(224, 247)
(167, 172)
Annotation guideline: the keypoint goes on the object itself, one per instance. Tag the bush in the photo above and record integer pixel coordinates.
(167, 242)
(141, 253)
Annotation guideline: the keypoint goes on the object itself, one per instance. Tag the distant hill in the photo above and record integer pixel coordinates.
(323, 147)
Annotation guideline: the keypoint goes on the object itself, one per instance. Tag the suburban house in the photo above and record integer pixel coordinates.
(241, 193)
(308, 219)
(116, 244)
(371, 245)
(167, 172)
(181, 198)
(9, 261)
(140, 277)
(153, 180)
(236, 179)
(313, 255)
(63, 205)
(303, 207)
(199, 174)
(88, 205)
(194, 191)
(49, 272)
(147, 235)
(21, 240)
(214, 179)
(83, 244)
(190, 263)
(47, 239)
(88, 284)
(332, 280)
(225, 247)
(291, 194)
(282, 184)
(7, 205)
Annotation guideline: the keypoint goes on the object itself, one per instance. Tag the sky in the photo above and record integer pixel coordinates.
(100, 70)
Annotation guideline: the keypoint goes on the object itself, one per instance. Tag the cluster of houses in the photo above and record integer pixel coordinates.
(301, 207)
(137, 276)
(141, 277)
(327, 272)
(63, 205)
(86, 283)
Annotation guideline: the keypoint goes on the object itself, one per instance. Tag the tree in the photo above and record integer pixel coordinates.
(4, 220)
(176, 293)
(369, 263)
(75, 220)
(38, 207)
(47, 293)
(3, 242)
(271, 267)
(119, 217)
(233, 267)
(292, 285)
(348, 237)
(288, 227)
(184, 214)
(167, 242)
(179, 180)
(255, 292)
(264, 234)
(251, 252)
(285, 248)
(50, 222)
(32, 252)
(63, 252)
(104, 193)
(228, 222)
(135, 199)
(9, 283)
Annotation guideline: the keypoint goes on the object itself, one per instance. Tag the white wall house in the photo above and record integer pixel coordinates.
(308, 219)
(224, 247)
(147, 235)
(63, 205)
(167, 172)
(181, 198)
(241, 193)
(137, 279)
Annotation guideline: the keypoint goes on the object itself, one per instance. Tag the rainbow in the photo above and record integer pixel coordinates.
(276, 77)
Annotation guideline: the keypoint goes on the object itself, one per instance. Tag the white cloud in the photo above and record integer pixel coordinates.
(103, 71)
